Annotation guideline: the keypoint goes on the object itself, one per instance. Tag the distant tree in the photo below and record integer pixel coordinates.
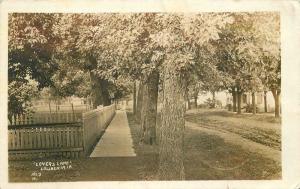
(241, 48)
(193, 90)
(268, 28)
(262, 56)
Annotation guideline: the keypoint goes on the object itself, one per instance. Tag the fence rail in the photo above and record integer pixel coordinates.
(64, 107)
(47, 117)
(59, 117)
(70, 139)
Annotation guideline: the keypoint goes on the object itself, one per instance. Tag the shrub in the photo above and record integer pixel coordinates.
(213, 103)
(249, 108)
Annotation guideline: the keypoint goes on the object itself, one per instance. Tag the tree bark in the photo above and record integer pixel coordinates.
(139, 102)
(100, 94)
(149, 109)
(134, 97)
(73, 112)
(234, 100)
(96, 93)
(171, 151)
(253, 103)
(239, 102)
(196, 99)
(106, 101)
(265, 101)
(276, 95)
(214, 98)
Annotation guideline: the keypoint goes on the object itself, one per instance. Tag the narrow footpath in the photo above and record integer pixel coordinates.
(117, 139)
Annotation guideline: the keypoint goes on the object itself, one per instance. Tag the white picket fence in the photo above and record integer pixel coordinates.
(47, 117)
(63, 139)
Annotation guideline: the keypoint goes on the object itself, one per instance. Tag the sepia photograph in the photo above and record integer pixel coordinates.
(145, 96)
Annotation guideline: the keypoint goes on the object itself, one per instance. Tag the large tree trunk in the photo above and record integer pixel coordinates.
(96, 92)
(171, 154)
(265, 101)
(134, 98)
(239, 102)
(276, 95)
(106, 101)
(139, 104)
(196, 99)
(149, 109)
(253, 103)
(234, 100)
(100, 94)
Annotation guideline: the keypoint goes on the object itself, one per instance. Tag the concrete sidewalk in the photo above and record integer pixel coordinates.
(117, 140)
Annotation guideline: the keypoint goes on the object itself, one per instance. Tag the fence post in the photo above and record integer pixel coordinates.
(83, 136)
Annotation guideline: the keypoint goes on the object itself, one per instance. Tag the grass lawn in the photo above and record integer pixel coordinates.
(261, 128)
(207, 157)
